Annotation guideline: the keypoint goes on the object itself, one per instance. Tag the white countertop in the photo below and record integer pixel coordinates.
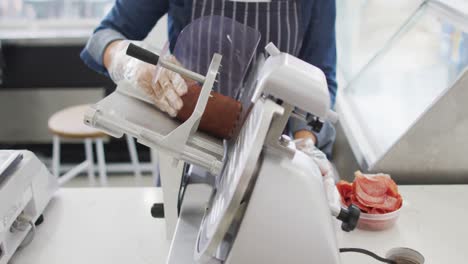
(114, 225)
(99, 225)
(433, 221)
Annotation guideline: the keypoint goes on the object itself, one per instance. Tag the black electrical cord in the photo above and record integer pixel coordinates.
(368, 253)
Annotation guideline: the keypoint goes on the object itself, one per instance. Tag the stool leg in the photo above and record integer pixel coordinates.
(56, 156)
(155, 167)
(89, 157)
(134, 158)
(101, 162)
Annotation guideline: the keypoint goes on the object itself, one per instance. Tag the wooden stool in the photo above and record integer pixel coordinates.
(68, 124)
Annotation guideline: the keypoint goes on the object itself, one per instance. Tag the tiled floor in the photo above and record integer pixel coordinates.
(114, 180)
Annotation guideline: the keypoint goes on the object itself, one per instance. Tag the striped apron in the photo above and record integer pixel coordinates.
(277, 21)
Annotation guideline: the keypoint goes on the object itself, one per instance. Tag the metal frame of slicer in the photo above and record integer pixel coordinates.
(269, 205)
(176, 142)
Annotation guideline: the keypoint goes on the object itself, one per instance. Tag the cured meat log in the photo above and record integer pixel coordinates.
(373, 194)
(221, 114)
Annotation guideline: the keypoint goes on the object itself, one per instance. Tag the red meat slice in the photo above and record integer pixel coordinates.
(345, 189)
(355, 201)
(377, 211)
(392, 188)
(367, 199)
(399, 202)
(372, 185)
(390, 204)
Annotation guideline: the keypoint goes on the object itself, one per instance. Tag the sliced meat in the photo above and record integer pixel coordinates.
(377, 211)
(374, 194)
(390, 204)
(355, 201)
(399, 202)
(365, 198)
(372, 185)
(345, 189)
(392, 188)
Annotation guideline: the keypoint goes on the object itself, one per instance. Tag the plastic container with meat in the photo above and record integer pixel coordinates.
(376, 196)
(376, 222)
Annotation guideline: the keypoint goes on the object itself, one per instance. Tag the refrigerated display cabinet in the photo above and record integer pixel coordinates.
(406, 113)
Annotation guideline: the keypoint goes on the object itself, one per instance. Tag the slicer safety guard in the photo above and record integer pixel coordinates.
(269, 205)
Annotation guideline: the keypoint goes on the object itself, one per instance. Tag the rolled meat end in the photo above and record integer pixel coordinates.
(221, 116)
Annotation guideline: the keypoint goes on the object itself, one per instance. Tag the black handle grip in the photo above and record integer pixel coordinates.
(142, 54)
(350, 217)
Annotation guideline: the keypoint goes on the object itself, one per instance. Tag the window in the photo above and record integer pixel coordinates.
(52, 13)
(363, 27)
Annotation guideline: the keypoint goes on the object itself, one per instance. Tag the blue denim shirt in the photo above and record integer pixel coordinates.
(134, 19)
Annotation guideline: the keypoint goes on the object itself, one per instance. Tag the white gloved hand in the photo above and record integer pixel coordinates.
(307, 146)
(165, 90)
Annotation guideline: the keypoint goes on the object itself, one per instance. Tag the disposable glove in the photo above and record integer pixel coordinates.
(164, 86)
(307, 146)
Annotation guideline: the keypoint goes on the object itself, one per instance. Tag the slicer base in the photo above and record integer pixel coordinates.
(190, 218)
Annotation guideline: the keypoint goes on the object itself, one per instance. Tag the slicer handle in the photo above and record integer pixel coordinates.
(152, 58)
(142, 54)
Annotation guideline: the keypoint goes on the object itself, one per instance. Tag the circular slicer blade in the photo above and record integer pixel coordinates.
(235, 180)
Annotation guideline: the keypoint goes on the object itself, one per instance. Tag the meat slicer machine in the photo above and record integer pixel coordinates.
(267, 203)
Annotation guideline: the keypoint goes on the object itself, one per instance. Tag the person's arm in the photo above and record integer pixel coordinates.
(128, 19)
(111, 49)
(319, 44)
(319, 49)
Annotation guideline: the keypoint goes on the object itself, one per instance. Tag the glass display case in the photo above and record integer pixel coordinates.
(363, 27)
(388, 109)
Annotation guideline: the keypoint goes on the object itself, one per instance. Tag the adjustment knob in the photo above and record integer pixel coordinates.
(315, 123)
(350, 217)
(157, 210)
